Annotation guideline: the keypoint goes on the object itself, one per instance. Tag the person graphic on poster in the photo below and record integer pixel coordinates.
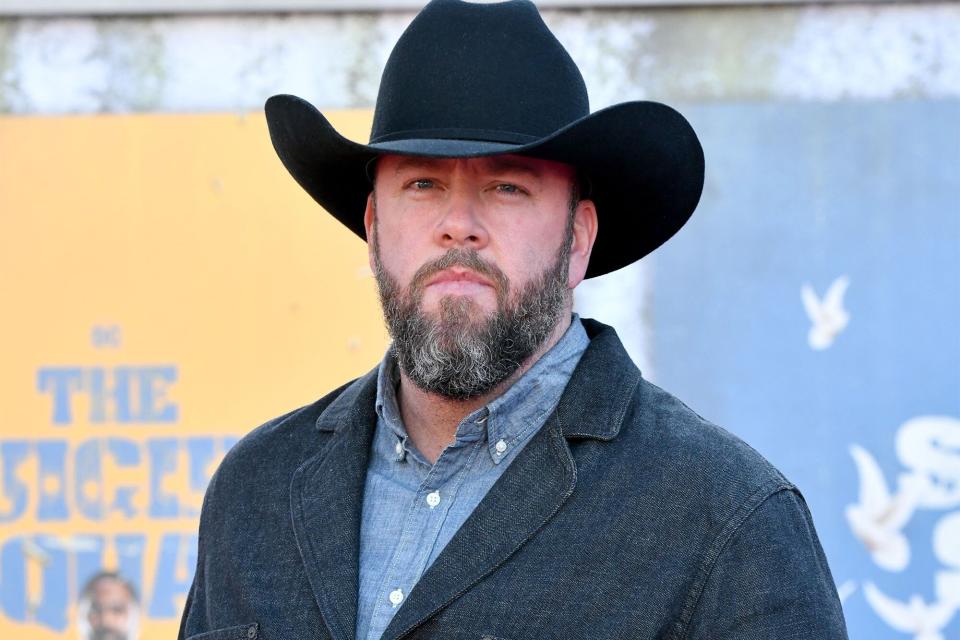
(108, 608)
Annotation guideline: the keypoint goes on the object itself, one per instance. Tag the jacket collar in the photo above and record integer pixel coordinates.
(326, 492)
(338, 413)
(595, 401)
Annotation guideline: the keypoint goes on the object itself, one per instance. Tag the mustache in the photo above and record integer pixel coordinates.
(467, 258)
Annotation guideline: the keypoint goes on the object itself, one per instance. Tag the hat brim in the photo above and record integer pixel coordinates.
(643, 160)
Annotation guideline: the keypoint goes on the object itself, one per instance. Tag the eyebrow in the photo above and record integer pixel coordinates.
(494, 163)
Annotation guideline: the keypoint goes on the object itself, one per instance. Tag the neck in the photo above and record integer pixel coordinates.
(431, 419)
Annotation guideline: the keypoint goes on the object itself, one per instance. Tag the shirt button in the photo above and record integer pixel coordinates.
(396, 597)
(251, 632)
(433, 499)
(399, 449)
(501, 446)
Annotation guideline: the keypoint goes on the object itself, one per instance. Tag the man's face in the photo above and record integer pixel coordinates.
(474, 259)
(109, 611)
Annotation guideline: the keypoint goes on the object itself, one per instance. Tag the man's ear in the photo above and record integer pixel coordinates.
(368, 215)
(584, 235)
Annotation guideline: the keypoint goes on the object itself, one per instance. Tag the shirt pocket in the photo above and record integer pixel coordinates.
(249, 631)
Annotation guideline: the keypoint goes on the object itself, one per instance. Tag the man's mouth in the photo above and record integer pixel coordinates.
(458, 277)
(458, 281)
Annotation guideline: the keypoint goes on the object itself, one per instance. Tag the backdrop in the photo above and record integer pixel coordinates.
(167, 287)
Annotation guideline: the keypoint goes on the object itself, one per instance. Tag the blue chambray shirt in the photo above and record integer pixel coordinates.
(411, 509)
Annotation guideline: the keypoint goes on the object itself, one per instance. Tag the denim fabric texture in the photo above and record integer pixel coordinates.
(626, 515)
(411, 508)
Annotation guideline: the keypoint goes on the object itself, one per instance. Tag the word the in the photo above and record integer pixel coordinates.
(124, 394)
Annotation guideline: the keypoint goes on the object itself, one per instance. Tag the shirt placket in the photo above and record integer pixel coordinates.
(422, 527)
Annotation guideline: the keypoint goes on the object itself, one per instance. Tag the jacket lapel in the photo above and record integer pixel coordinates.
(326, 498)
(525, 497)
(534, 487)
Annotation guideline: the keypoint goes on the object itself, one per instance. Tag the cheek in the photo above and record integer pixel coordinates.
(524, 251)
(401, 257)
(403, 223)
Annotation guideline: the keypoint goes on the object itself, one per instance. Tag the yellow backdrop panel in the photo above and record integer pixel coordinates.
(166, 287)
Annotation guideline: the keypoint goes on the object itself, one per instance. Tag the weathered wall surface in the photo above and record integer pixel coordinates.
(217, 63)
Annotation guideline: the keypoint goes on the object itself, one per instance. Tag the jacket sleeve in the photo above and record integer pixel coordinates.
(193, 620)
(770, 580)
(188, 606)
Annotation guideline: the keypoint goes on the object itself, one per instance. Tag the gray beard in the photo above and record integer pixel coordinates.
(452, 353)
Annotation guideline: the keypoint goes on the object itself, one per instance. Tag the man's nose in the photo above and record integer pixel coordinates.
(461, 224)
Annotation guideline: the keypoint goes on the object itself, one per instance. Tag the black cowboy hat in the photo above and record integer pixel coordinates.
(467, 80)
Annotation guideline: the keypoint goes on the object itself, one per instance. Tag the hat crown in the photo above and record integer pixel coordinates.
(470, 71)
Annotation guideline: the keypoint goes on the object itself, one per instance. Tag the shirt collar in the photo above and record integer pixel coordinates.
(508, 418)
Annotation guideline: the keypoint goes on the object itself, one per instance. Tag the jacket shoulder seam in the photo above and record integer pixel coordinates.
(739, 517)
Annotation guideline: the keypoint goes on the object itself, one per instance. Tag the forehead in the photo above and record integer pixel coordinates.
(110, 589)
(504, 163)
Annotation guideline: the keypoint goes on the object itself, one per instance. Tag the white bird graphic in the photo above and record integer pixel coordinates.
(877, 518)
(922, 620)
(846, 590)
(828, 316)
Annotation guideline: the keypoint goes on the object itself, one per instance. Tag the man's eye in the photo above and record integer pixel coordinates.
(422, 184)
(509, 188)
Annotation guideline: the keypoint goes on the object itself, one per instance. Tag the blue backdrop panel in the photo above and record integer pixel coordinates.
(811, 306)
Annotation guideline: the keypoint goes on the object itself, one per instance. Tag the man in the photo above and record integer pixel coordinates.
(108, 608)
(505, 472)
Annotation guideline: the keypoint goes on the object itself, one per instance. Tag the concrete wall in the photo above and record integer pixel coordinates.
(218, 63)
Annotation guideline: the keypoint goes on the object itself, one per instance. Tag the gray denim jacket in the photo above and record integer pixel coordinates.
(626, 516)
